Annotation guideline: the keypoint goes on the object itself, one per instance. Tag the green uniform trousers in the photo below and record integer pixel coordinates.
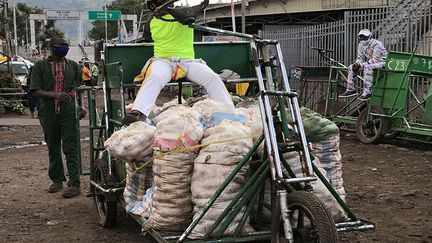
(60, 132)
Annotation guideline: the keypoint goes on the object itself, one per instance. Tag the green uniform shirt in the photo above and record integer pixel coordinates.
(41, 78)
(172, 39)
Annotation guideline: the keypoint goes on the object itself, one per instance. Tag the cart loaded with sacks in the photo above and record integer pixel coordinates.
(202, 171)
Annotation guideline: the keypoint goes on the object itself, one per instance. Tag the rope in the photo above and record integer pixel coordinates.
(183, 149)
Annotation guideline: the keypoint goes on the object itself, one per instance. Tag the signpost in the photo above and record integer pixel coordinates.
(104, 15)
(63, 14)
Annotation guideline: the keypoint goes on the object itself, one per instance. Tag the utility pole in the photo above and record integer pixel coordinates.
(15, 30)
(243, 16)
(6, 28)
(233, 16)
(106, 25)
(26, 35)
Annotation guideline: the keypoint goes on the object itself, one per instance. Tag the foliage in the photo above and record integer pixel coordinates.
(23, 12)
(7, 80)
(13, 106)
(125, 7)
(10, 103)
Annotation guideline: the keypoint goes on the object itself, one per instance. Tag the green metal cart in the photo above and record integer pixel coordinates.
(400, 102)
(291, 196)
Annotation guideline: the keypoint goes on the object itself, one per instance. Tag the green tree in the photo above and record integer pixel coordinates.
(22, 20)
(125, 7)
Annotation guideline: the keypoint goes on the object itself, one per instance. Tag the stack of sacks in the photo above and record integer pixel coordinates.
(138, 180)
(159, 109)
(324, 135)
(212, 166)
(132, 143)
(171, 204)
(214, 112)
(319, 189)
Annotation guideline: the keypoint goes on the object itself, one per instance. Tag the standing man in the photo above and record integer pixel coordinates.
(371, 55)
(86, 73)
(95, 73)
(53, 80)
(174, 58)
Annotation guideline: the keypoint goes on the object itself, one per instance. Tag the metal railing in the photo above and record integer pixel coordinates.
(400, 28)
(403, 27)
(337, 4)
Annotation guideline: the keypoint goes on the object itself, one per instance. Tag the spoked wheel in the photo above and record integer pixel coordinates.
(310, 220)
(107, 209)
(371, 128)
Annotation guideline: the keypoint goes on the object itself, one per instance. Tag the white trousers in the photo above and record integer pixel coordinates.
(159, 74)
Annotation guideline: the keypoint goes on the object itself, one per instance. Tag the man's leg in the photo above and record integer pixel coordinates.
(69, 137)
(203, 75)
(351, 88)
(352, 78)
(50, 126)
(368, 76)
(367, 79)
(157, 76)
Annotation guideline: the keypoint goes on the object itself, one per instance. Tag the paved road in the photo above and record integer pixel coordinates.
(75, 53)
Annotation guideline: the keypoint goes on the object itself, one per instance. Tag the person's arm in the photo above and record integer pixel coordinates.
(360, 55)
(147, 33)
(63, 96)
(379, 54)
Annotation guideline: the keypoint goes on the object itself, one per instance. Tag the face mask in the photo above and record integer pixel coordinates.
(365, 42)
(61, 51)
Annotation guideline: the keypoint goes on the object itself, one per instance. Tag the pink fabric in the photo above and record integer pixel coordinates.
(165, 143)
(57, 69)
(57, 73)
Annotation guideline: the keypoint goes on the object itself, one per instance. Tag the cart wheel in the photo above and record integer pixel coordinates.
(391, 134)
(369, 128)
(107, 209)
(310, 220)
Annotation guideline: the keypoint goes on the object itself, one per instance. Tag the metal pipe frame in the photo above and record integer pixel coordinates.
(219, 191)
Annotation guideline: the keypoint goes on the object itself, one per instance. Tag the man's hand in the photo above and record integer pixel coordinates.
(82, 112)
(356, 67)
(64, 97)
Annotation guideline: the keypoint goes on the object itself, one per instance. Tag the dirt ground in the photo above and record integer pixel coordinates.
(386, 184)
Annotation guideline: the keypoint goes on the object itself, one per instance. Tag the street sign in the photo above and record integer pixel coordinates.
(104, 15)
(62, 14)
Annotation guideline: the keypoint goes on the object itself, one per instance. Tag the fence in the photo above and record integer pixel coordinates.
(335, 4)
(403, 27)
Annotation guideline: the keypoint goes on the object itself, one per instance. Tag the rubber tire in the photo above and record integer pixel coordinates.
(318, 214)
(107, 210)
(391, 134)
(380, 131)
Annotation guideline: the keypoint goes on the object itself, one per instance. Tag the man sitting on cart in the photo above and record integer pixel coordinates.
(174, 58)
(371, 55)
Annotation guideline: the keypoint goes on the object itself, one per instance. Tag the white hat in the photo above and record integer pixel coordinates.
(365, 32)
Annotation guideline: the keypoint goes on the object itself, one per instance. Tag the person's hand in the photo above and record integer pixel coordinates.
(356, 67)
(64, 97)
(82, 112)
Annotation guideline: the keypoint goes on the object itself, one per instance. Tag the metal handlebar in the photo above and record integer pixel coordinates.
(322, 51)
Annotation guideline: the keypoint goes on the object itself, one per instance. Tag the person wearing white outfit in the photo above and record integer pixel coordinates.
(371, 55)
(174, 58)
